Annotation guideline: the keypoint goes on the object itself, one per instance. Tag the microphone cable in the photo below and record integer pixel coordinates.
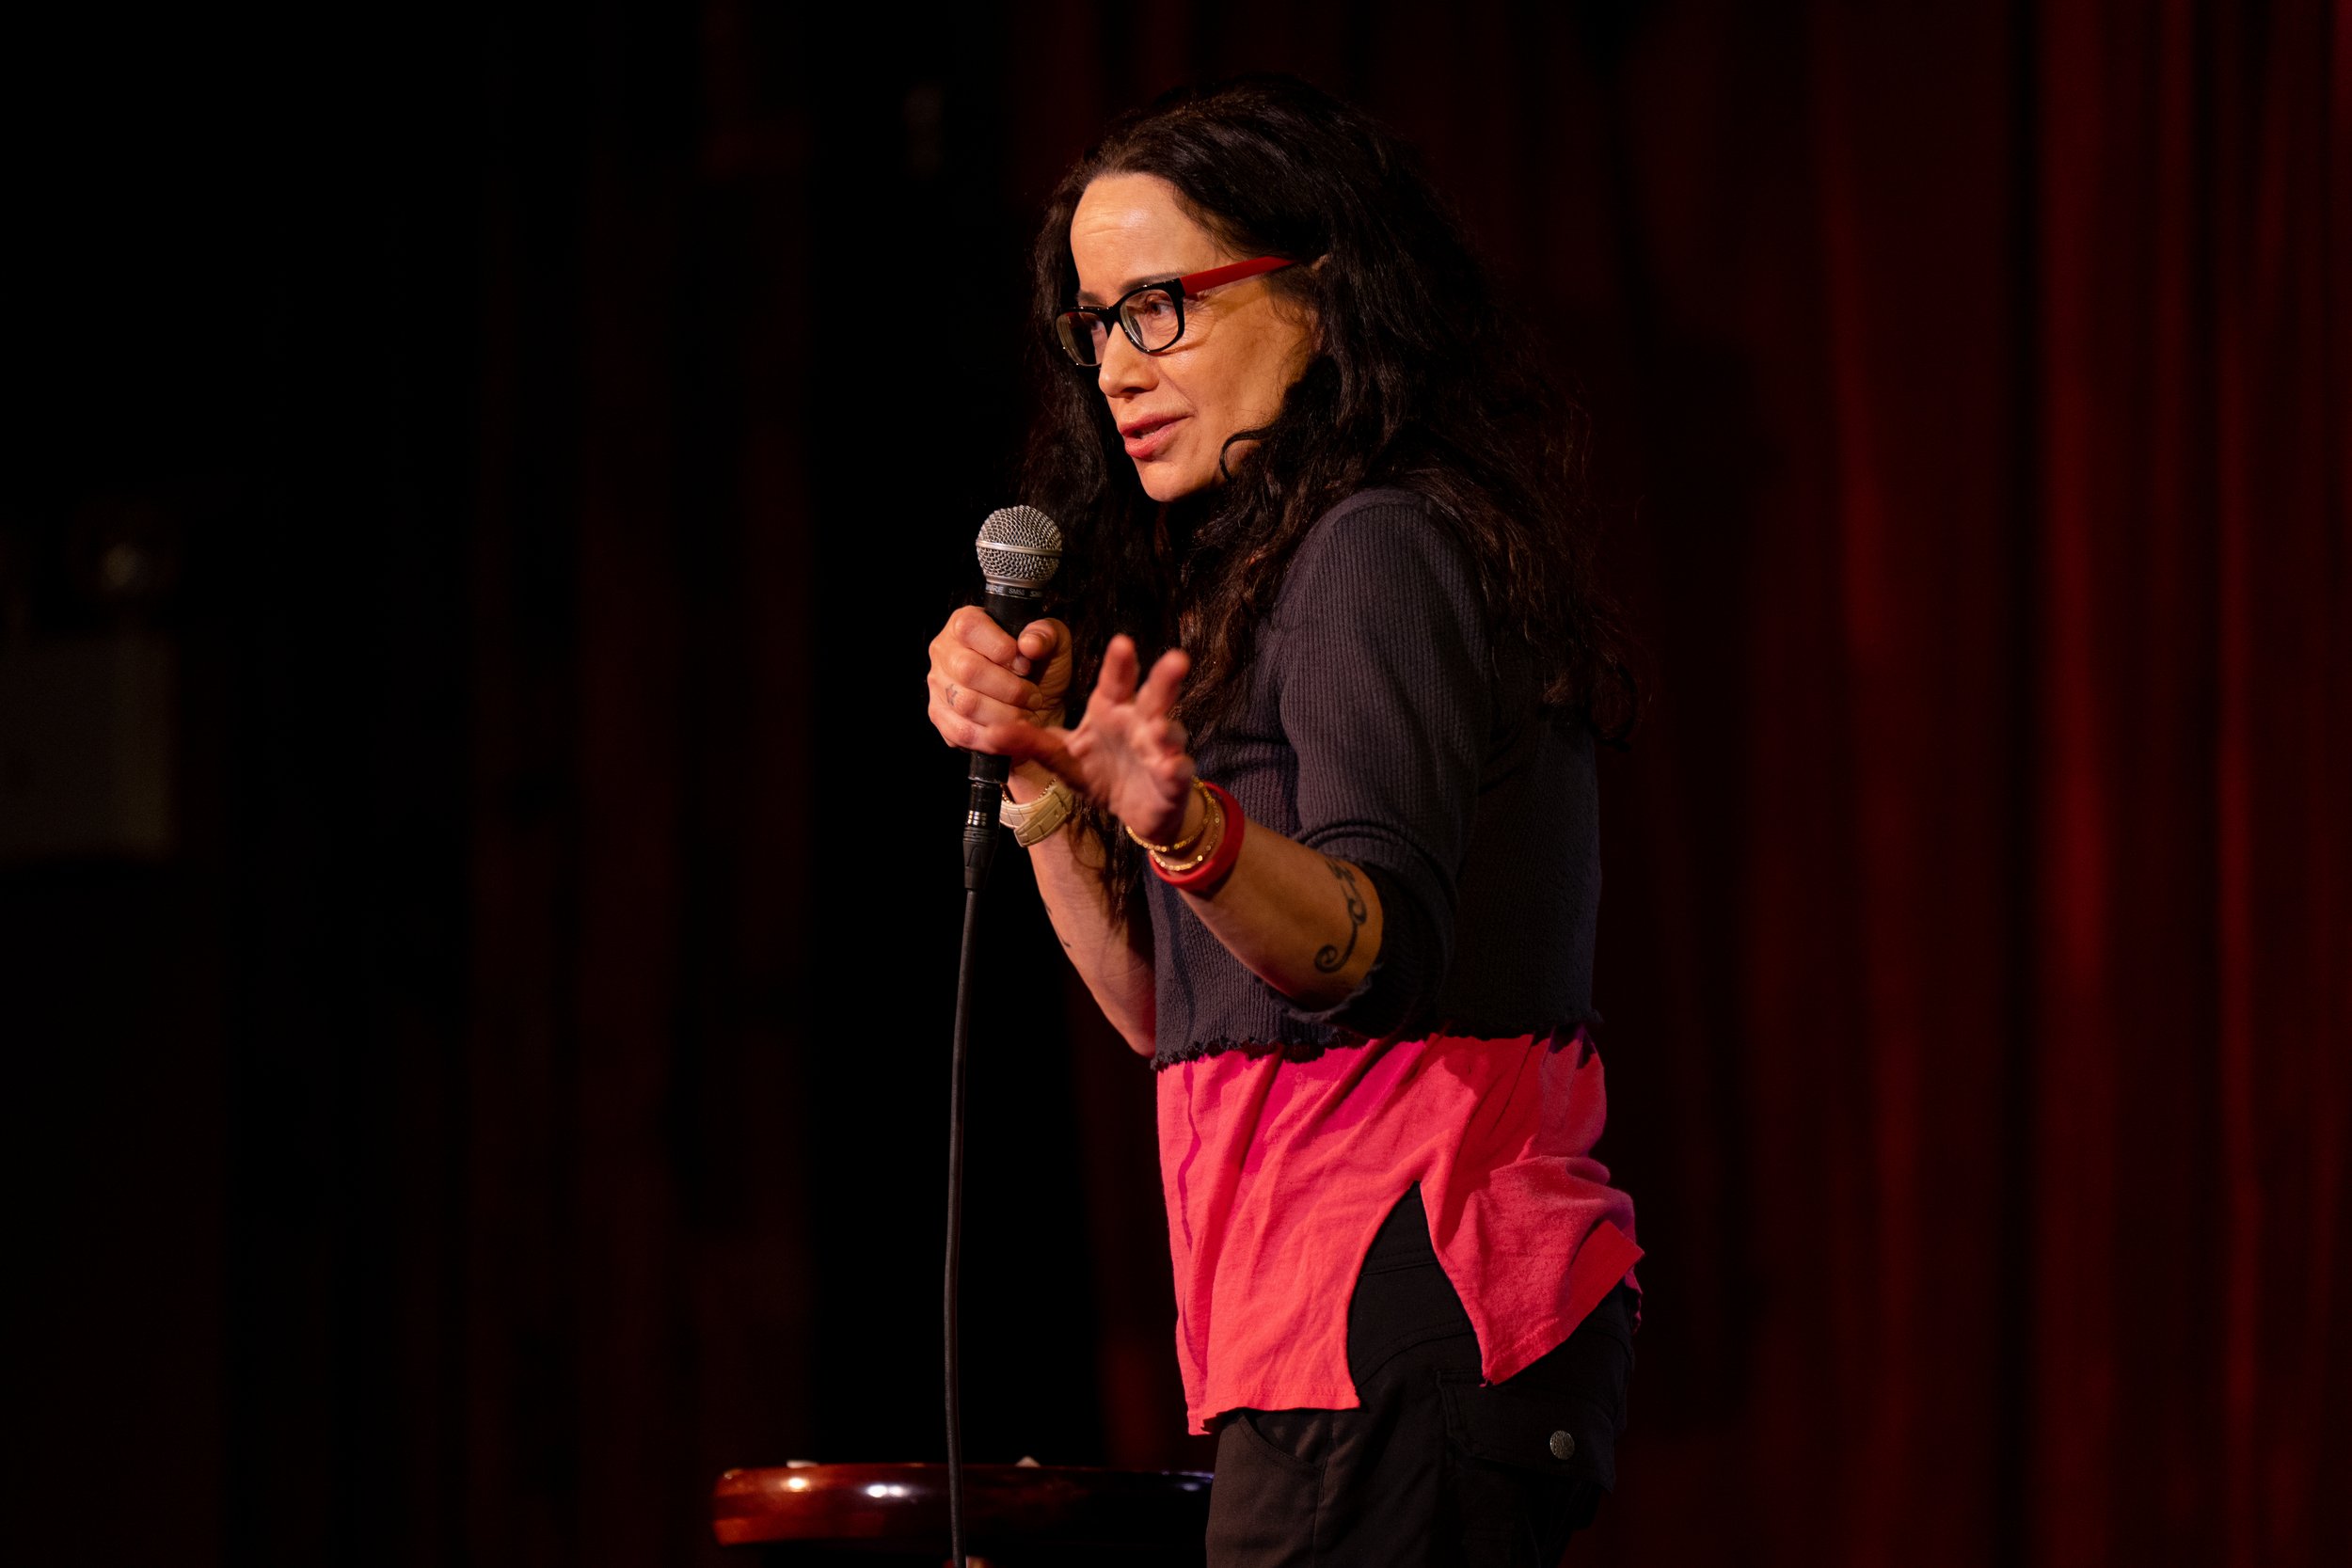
(955, 1074)
(1020, 549)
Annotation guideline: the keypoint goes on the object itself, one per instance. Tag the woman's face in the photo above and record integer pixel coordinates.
(1241, 350)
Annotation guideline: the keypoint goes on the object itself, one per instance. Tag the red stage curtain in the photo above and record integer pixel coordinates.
(1971, 401)
(2190, 784)
(523, 1098)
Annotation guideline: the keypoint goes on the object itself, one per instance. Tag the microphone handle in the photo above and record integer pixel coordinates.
(1011, 610)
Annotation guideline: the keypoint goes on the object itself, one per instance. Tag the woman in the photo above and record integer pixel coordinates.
(1332, 861)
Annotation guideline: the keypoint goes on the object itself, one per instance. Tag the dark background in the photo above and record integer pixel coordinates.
(546, 437)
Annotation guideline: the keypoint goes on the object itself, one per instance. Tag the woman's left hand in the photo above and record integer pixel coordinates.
(1306, 923)
(1128, 755)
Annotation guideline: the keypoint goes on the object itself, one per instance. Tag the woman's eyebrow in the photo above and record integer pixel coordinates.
(1130, 287)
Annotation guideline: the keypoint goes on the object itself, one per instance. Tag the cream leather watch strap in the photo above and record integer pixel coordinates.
(1042, 818)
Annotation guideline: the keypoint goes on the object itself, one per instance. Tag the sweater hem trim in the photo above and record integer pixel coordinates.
(1555, 1035)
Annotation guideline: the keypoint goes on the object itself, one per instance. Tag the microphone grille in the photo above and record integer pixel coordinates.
(1019, 546)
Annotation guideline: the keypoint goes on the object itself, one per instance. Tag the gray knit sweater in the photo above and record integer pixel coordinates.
(1380, 727)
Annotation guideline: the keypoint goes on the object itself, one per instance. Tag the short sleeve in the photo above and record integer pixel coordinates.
(1381, 659)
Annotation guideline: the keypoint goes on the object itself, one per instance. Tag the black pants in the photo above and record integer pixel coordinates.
(1436, 1467)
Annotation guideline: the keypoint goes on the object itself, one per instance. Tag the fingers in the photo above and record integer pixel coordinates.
(1028, 743)
(1148, 710)
(971, 672)
(973, 690)
(954, 728)
(1160, 687)
(951, 701)
(979, 703)
(1116, 683)
(1039, 642)
(972, 626)
(965, 669)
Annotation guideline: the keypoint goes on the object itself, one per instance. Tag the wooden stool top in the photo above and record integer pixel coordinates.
(1017, 1511)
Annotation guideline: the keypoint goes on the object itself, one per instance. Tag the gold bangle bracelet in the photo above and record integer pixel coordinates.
(1212, 834)
(1183, 846)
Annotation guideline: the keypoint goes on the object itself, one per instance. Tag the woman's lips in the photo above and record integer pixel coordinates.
(1147, 440)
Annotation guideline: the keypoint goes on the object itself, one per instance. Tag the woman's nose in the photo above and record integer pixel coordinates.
(1122, 368)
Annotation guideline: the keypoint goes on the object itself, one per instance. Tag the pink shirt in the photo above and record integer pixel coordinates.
(1278, 1174)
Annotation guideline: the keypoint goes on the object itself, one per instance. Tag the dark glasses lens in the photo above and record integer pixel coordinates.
(1153, 318)
(1081, 333)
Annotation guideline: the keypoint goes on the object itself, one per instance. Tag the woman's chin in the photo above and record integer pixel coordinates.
(1164, 481)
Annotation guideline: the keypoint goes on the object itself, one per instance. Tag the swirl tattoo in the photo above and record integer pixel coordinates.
(1329, 957)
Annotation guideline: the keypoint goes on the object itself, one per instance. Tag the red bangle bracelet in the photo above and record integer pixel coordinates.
(1203, 879)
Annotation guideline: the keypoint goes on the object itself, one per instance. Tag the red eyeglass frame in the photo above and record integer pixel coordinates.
(1178, 289)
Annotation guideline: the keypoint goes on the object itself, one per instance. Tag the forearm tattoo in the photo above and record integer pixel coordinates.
(1329, 957)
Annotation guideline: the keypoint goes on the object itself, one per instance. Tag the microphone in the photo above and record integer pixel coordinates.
(1020, 551)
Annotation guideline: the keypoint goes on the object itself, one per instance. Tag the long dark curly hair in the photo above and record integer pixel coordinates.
(1420, 380)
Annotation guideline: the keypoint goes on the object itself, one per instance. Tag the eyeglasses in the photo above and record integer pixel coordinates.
(1153, 316)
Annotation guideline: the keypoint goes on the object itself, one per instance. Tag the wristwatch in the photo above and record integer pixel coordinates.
(1042, 817)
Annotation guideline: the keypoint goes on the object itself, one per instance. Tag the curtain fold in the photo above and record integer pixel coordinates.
(1970, 420)
(1972, 384)
(2190, 1021)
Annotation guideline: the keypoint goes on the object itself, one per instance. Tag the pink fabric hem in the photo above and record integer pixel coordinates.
(1278, 1174)
(1605, 1262)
